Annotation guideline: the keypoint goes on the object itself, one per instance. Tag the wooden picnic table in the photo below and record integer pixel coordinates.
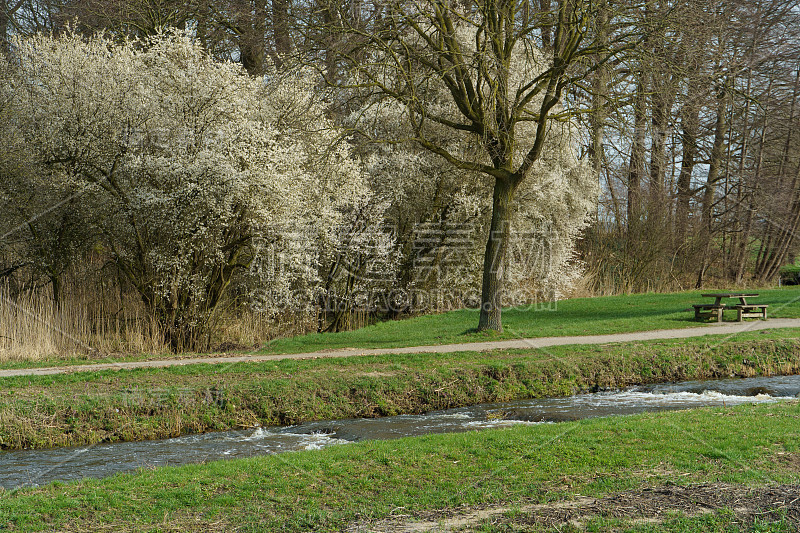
(741, 295)
(743, 309)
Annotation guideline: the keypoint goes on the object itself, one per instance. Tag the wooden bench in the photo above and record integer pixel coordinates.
(743, 309)
(708, 311)
(751, 311)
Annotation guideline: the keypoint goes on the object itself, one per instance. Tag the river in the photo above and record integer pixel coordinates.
(35, 467)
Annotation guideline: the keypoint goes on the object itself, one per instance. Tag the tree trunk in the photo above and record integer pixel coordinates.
(55, 281)
(494, 260)
(636, 167)
(331, 41)
(690, 121)
(252, 47)
(4, 16)
(280, 30)
(599, 95)
(661, 111)
(744, 196)
(707, 209)
(693, 62)
(546, 6)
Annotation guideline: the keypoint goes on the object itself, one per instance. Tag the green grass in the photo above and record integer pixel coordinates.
(90, 407)
(360, 483)
(578, 316)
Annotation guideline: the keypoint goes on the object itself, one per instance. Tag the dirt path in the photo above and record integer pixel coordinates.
(651, 505)
(543, 342)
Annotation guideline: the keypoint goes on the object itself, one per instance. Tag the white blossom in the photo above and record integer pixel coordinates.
(199, 178)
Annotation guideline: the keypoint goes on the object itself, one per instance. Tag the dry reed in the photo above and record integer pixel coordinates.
(92, 322)
(33, 328)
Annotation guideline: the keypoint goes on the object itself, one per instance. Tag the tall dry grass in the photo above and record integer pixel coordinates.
(245, 329)
(33, 328)
(94, 322)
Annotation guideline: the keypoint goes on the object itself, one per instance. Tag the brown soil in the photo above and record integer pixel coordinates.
(771, 503)
(789, 461)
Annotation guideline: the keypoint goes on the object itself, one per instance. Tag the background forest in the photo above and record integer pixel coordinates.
(202, 175)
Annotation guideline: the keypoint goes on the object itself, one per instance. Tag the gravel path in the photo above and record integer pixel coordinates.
(725, 328)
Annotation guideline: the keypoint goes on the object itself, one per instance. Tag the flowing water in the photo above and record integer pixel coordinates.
(35, 467)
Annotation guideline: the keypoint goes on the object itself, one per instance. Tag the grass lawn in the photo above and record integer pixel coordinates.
(430, 478)
(578, 316)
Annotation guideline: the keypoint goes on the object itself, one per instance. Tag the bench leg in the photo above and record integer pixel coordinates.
(739, 315)
(719, 315)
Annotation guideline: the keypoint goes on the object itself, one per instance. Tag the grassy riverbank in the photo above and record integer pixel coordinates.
(523, 473)
(86, 408)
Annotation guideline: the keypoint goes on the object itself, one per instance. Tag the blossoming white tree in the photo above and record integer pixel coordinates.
(190, 169)
(475, 69)
(347, 254)
(441, 213)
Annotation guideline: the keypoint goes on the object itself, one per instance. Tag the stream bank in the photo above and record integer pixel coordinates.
(33, 467)
(147, 404)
